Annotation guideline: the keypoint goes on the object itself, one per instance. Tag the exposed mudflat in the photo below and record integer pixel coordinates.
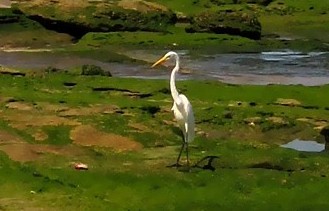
(280, 67)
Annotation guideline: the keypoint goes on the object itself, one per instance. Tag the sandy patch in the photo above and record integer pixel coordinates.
(48, 107)
(64, 3)
(22, 203)
(85, 111)
(138, 127)
(6, 99)
(87, 135)
(22, 152)
(25, 152)
(288, 102)
(19, 106)
(6, 137)
(23, 121)
(40, 135)
(5, 4)
(31, 50)
(66, 111)
(143, 6)
(318, 123)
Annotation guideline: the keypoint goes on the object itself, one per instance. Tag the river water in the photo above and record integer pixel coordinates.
(280, 67)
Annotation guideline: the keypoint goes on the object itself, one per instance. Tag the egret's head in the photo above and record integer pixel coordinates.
(165, 58)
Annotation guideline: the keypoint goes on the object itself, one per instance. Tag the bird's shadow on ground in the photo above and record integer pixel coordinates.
(205, 163)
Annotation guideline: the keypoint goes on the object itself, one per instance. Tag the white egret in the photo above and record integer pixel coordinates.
(182, 107)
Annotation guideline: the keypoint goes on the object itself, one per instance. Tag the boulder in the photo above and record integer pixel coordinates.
(226, 22)
(80, 17)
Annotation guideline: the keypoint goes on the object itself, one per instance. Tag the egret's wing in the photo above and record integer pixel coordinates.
(187, 112)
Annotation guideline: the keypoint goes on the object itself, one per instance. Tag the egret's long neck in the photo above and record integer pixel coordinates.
(173, 89)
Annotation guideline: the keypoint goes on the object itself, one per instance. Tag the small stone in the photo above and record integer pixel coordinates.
(287, 102)
(80, 166)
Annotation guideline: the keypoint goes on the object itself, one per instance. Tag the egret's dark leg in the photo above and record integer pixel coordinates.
(180, 153)
(184, 143)
(187, 158)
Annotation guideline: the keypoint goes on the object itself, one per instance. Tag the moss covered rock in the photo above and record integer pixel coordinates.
(79, 18)
(227, 22)
(94, 70)
(7, 16)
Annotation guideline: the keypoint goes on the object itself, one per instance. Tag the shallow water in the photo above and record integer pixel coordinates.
(305, 146)
(283, 67)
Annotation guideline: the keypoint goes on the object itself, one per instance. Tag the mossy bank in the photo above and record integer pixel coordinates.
(164, 24)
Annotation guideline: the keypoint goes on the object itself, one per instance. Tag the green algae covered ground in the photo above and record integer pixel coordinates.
(124, 130)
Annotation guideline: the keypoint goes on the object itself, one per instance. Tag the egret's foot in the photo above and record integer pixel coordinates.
(176, 165)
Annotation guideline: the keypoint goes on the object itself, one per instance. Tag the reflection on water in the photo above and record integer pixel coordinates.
(305, 146)
(282, 67)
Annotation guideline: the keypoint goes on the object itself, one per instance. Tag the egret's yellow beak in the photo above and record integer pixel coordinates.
(160, 61)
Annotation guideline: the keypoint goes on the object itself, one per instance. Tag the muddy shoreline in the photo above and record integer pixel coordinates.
(292, 68)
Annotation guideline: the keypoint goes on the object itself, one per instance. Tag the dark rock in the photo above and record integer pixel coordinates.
(265, 113)
(252, 103)
(310, 106)
(151, 109)
(266, 165)
(72, 28)
(260, 2)
(69, 84)
(138, 95)
(164, 91)
(4, 71)
(94, 70)
(325, 133)
(224, 22)
(125, 92)
(53, 70)
(228, 115)
(98, 16)
(104, 89)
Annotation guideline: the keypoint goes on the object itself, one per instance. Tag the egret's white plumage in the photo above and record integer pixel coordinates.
(182, 107)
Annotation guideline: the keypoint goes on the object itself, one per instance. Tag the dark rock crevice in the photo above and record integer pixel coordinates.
(97, 19)
(74, 29)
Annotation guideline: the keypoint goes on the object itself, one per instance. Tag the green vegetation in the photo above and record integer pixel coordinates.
(252, 171)
(123, 128)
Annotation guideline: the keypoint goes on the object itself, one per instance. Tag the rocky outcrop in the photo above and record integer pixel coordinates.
(97, 16)
(227, 22)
